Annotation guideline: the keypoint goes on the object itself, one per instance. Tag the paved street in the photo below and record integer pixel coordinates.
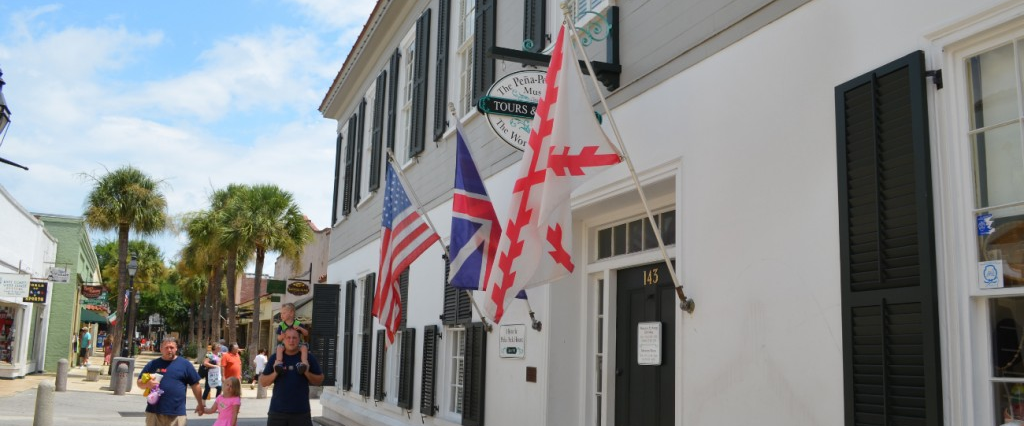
(94, 403)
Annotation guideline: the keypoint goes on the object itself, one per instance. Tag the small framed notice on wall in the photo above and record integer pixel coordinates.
(648, 343)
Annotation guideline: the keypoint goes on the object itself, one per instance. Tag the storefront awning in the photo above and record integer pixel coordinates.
(93, 316)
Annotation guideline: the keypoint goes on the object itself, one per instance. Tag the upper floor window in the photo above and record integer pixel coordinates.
(405, 95)
(466, 16)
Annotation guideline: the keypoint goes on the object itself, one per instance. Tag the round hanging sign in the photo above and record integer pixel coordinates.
(510, 104)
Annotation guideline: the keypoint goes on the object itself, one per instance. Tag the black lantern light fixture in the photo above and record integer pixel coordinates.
(5, 120)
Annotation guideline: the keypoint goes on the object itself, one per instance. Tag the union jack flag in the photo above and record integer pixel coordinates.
(475, 228)
(404, 236)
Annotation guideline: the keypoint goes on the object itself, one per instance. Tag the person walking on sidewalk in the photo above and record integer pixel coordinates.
(289, 406)
(260, 361)
(178, 375)
(85, 344)
(213, 372)
(232, 363)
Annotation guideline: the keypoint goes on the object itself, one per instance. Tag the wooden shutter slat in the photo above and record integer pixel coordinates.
(357, 175)
(403, 295)
(407, 360)
(428, 370)
(485, 25)
(377, 138)
(475, 375)
(350, 303)
(890, 321)
(378, 381)
(367, 343)
(350, 158)
(441, 76)
(396, 59)
(323, 339)
(421, 66)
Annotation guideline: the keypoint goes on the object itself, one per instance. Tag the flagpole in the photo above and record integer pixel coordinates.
(536, 325)
(685, 303)
(426, 219)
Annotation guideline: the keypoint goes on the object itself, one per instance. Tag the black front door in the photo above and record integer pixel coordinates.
(645, 382)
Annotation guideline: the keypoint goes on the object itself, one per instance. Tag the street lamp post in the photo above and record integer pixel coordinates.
(129, 326)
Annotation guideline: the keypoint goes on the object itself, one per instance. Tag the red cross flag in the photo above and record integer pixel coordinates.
(566, 146)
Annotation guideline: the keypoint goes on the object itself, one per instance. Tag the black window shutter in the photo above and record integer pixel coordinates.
(403, 294)
(475, 374)
(484, 28)
(396, 61)
(350, 304)
(323, 339)
(378, 381)
(378, 130)
(533, 23)
(364, 368)
(891, 358)
(337, 178)
(457, 309)
(421, 64)
(357, 175)
(350, 158)
(407, 365)
(441, 78)
(430, 336)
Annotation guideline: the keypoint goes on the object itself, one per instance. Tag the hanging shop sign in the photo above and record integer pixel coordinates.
(37, 291)
(92, 291)
(275, 286)
(512, 341)
(58, 275)
(14, 285)
(298, 288)
(510, 104)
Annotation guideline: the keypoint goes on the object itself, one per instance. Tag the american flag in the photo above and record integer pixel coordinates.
(404, 235)
(475, 227)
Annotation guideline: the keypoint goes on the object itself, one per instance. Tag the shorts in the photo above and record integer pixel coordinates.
(154, 419)
(289, 419)
(82, 353)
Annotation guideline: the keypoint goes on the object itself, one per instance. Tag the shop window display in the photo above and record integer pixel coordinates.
(6, 335)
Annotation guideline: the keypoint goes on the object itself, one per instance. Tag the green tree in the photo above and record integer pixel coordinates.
(266, 218)
(125, 200)
(238, 250)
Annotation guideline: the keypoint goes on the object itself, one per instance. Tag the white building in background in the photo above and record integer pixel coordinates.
(28, 251)
(840, 185)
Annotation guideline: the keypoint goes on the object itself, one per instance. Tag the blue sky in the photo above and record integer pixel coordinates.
(199, 94)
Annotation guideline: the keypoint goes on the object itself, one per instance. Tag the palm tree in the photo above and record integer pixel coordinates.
(266, 218)
(122, 200)
(201, 257)
(238, 250)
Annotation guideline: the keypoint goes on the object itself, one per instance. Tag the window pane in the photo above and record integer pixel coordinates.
(1007, 322)
(1005, 243)
(604, 243)
(600, 297)
(600, 335)
(619, 240)
(649, 241)
(993, 87)
(998, 165)
(635, 236)
(668, 227)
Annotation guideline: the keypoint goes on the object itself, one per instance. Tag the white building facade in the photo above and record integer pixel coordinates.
(27, 250)
(839, 185)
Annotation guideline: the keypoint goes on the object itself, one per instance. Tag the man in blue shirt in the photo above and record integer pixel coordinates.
(178, 375)
(290, 404)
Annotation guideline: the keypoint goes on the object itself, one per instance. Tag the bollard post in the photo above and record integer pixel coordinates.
(44, 404)
(62, 375)
(261, 392)
(122, 379)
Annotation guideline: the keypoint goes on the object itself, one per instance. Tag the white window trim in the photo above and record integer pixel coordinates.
(392, 365)
(341, 174)
(963, 310)
(404, 107)
(443, 394)
(357, 344)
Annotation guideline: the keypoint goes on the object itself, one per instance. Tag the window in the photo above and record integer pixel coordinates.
(583, 8)
(454, 372)
(995, 114)
(392, 360)
(599, 350)
(366, 135)
(365, 335)
(407, 57)
(635, 236)
(466, 14)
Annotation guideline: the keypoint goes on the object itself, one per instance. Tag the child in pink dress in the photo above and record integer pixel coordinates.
(227, 404)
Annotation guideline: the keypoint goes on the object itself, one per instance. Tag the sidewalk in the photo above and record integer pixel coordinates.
(94, 403)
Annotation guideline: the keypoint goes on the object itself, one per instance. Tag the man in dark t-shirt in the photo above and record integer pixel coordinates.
(289, 406)
(178, 375)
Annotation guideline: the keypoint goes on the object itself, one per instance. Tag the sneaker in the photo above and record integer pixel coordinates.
(279, 369)
(301, 368)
